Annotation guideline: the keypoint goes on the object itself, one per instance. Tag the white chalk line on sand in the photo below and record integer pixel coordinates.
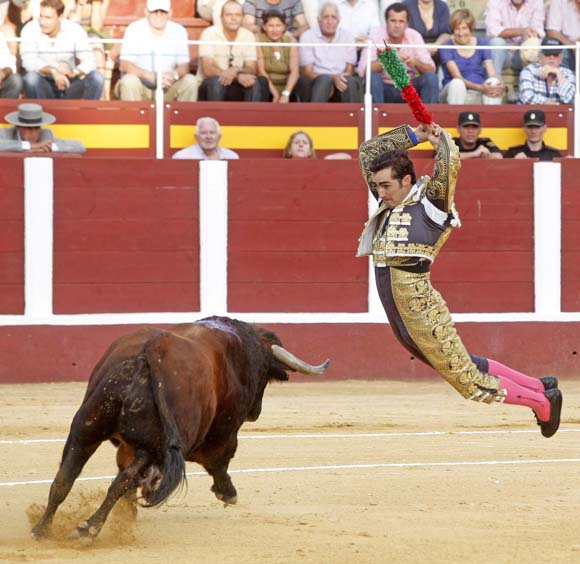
(340, 467)
(333, 435)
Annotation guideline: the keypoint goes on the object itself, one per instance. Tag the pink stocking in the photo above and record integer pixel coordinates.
(498, 369)
(518, 395)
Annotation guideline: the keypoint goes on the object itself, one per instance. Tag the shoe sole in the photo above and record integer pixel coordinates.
(550, 427)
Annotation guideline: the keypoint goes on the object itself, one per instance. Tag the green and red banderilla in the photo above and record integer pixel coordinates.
(395, 68)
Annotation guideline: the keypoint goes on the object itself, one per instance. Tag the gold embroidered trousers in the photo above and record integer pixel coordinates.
(422, 323)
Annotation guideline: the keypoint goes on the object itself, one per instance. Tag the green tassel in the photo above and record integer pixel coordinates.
(394, 67)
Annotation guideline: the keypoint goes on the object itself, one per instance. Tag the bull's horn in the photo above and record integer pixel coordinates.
(295, 363)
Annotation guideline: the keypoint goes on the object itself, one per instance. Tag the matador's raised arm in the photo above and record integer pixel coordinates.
(441, 186)
(402, 137)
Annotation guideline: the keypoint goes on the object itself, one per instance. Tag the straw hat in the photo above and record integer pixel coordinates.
(29, 115)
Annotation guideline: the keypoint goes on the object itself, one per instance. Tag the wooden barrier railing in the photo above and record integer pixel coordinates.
(118, 128)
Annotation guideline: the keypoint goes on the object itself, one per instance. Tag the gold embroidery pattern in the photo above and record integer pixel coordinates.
(428, 322)
(400, 218)
(395, 233)
(389, 252)
(441, 186)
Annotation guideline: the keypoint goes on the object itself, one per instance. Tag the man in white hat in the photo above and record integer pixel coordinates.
(28, 135)
(139, 63)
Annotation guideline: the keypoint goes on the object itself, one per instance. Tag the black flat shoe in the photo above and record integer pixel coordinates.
(550, 427)
(550, 382)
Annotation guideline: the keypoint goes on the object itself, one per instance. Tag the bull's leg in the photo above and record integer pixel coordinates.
(216, 465)
(125, 457)
(126, 481)
(75, 456)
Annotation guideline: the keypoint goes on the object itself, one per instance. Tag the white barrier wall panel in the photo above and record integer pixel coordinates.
(547, 237)
(38, 236)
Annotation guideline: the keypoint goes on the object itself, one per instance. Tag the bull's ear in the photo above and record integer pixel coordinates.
(277, 372)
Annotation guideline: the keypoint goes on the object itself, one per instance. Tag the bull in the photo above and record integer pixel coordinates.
(163, 397)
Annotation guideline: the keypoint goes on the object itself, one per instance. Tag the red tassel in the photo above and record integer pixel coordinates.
(411, 96)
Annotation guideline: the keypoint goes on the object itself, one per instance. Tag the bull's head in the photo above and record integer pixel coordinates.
(282, 361)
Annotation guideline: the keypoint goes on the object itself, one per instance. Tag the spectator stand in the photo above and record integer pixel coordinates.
(121, 14)
(262, 129)
(503, 124)
(106, 128)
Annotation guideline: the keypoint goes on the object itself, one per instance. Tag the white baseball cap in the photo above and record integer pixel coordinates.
(153, 5)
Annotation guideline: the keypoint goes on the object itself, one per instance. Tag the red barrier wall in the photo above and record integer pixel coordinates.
(488, 265)
(570, 235)
(126, 240)
(11, 236)
(292, 235)
(126, 236)
(364, 351)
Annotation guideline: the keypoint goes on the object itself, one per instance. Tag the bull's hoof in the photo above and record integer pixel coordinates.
(230, 498)
(85, 532)
(39, 532)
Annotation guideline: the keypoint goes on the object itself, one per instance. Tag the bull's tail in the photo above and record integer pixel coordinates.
(173, 476)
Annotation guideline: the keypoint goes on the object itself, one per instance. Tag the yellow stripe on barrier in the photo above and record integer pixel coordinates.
(270, 136)
(105, 135)
(506, 137)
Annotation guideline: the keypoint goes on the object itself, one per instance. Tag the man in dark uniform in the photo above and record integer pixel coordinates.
(471, 145)
(534, 147)
(404, 235)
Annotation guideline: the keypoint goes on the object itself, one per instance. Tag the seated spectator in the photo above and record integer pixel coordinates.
(471, 145)
(300, 146)
(50, 49)
(18, 14)
(28, 135)
(534, 147)
(417, 60)
(327, 74)
(512, 22)
(12, 25)
(90, 15)
(467, 72)
(431, 19)
(210, 10)
(278, 65)
(10, 80)
(547, 81)
(138, 63)
(563, 23)
(228, 72)
(358, 17)
(292, 9)
(208, 135)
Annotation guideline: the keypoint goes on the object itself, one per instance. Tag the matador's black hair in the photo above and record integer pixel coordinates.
(398, 160)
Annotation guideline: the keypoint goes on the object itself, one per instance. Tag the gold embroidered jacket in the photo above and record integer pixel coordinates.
(417, 228)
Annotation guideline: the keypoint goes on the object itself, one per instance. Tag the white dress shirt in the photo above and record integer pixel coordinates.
(38, 50)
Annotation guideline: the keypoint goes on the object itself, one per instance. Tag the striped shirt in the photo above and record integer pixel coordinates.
(534, 89)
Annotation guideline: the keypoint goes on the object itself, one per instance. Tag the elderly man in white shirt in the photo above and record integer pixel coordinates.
(208, 135)
(50, 48)
(327, 74)
(10, 80)
(156, 43)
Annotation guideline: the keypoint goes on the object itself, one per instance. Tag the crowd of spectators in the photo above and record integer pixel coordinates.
(58, 57)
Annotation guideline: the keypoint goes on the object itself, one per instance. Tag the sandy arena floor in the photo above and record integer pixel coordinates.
(337, 472)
